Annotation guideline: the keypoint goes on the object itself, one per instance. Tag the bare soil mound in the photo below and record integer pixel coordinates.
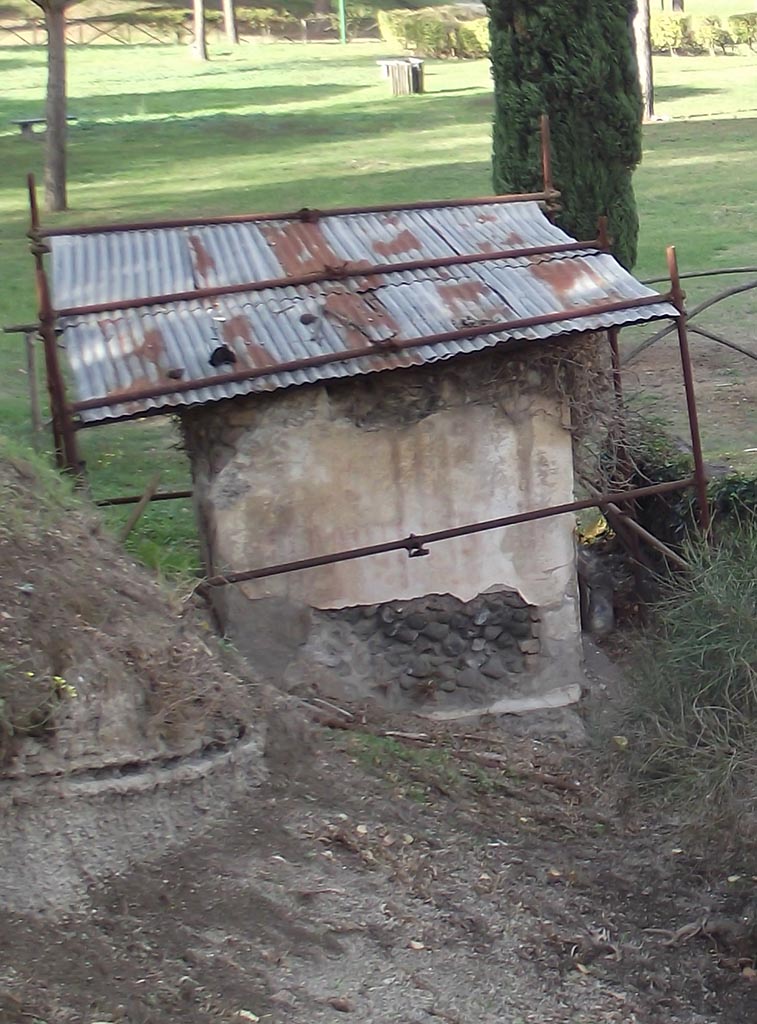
(98, 670)
(107, 686)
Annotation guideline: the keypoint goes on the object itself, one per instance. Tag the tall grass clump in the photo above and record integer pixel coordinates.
(692, 719)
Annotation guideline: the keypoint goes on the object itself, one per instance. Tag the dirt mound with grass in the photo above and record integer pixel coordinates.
(116, 701)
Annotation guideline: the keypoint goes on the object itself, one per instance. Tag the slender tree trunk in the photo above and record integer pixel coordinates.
(643, 38)
(55, 113)
(200, 46)
(230, 21)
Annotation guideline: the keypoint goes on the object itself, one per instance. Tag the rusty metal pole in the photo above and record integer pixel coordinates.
(546, 155)
(64, 434)
(677, 297)
(551, 194)
(617, 380)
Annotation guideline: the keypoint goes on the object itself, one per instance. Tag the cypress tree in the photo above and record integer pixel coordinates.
(574, 60)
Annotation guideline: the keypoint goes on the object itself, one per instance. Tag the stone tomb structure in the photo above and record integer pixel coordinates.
(352, 377)
(351, 463)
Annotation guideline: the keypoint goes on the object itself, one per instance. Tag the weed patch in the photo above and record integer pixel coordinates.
(692, 725)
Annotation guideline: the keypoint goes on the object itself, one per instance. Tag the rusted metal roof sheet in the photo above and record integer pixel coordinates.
(154, 344)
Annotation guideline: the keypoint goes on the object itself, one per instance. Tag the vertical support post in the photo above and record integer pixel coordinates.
(700, 476)
(617, 380)
(64, 435)
(342, 21)
(31, 373)
(604, 241)
(546, 155)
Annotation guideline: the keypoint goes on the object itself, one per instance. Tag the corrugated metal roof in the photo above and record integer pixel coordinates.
(133, 349)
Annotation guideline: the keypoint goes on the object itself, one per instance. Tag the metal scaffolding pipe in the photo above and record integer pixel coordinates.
(181, 387)
(341, 273)
(305, 215)
(416, 545)
(700, 473)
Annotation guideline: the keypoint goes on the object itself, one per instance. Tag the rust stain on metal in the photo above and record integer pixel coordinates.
(300, 248)
(403, 242)
(359, 319)
(563, 275)
(152, 346)
(203, 261)
(460, 296)
(240, 328)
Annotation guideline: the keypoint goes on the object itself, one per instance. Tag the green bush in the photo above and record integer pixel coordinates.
(435, 32)
(264, 19)
(708, 34)
(743, 28)
(691, 723)
(671, 32)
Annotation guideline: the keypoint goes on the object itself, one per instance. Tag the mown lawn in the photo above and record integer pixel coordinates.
(279, 126)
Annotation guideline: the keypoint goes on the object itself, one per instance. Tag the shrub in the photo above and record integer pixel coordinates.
(709, 34)
(671, 32)
(473, 37)
(691, 723)
(743, 28)
(264, 19)
(435, 32)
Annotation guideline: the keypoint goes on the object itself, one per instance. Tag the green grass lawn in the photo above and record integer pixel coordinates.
(279, 126)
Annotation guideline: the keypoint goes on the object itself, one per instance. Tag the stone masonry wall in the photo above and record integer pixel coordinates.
(434, 648)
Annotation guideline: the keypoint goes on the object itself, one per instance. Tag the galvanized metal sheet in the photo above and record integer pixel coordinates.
(111, 267)
(154, 345)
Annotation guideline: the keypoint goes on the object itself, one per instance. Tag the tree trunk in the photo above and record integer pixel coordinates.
(643, 38)
(55, 113)
(200, 46)
(230, 21)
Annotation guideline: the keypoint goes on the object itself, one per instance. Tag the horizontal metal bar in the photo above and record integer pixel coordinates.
(252, 373)
(737, 289)
(704, 273)
(722, 341)
(306, 215)
(132, 499)
(415, 545)
(21, 329)
(341, 273)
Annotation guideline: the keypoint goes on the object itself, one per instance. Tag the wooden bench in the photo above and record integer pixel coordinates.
(26, 124)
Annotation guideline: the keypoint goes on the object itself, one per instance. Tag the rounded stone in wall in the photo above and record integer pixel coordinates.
(406, 635)
(453, 645)
(417, 620)
(436, 630)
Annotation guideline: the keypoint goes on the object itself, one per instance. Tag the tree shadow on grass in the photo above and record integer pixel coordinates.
(358, 187)
(275, 132)
(15, 62)
(683, 92)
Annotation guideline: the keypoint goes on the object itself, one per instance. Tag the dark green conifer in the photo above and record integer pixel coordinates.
(573, 60)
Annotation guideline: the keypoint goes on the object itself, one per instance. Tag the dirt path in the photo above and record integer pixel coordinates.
(397, 881)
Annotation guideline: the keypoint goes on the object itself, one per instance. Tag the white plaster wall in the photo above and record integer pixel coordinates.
(312, 482)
